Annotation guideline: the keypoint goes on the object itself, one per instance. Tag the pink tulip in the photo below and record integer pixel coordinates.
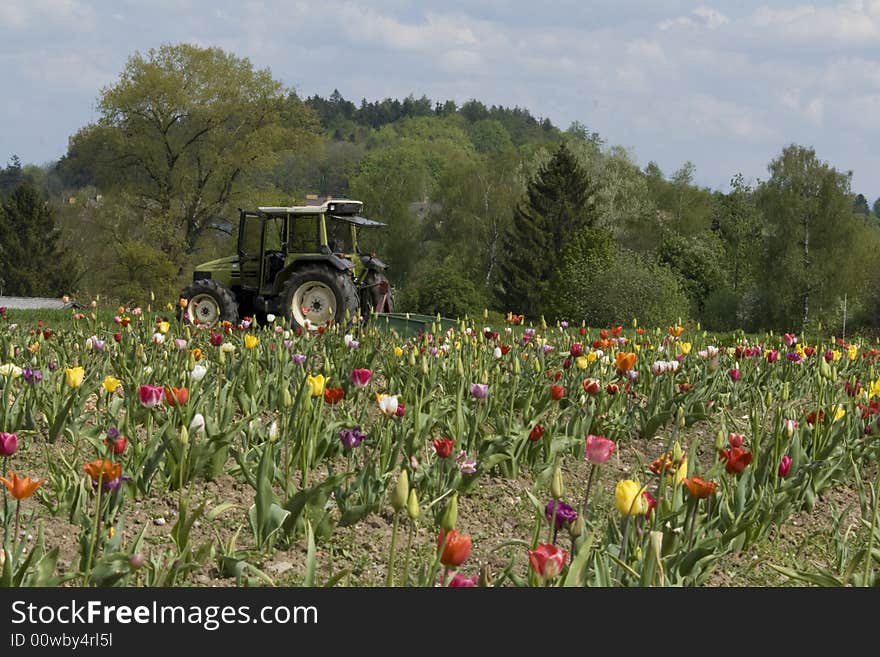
(790, 339)
(599, 449)
(150, 396)
(8, 443)
(735, 374)
(784, 466)
(547, 560)
(361, 377)
(772, 356)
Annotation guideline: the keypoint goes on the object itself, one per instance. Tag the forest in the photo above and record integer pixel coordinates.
(487, 207)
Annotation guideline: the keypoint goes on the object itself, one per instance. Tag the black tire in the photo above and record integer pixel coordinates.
(208, 304)
(377, 294)
(318, 294)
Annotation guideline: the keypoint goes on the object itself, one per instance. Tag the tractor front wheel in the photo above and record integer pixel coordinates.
(209, 303)
(317, 296)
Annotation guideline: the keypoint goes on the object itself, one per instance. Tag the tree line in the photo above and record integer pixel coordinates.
(487, 207)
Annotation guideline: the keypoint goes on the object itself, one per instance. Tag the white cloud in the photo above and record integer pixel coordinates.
(27, 15)
(709, 18)
(851, 22)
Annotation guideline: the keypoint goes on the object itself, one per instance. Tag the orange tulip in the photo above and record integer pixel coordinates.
(103, 471)
(176, 396)
(676, 331)
(20, 488)
(624, 361)
(456, 549)
(700, 488)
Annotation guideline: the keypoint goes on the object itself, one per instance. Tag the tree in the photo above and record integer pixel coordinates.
(183, 130)
(860, 205)
(34, 263)
(559, 202)
(807, 206)
(737, 221)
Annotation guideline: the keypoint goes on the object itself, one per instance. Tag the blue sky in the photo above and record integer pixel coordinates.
(725, 85)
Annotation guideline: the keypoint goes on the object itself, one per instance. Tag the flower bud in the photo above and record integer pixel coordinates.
(557, 487)
(576, 528)
(676, 452)
(2, 558)
(719, 440)
(459, 366)
(184, 435)
(273, 431)
(424, 365)
(286, 398)
(412, 505)
(785, 391)
(450, 516)
(401, 491)
(137, 561)
(679, 418)
(769, 399)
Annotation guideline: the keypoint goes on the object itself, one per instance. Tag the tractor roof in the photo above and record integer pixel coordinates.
(330, 206)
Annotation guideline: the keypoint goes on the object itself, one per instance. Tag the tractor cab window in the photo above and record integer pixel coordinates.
(274, 231)
(249, 237)
(339, 237)
(304, 236)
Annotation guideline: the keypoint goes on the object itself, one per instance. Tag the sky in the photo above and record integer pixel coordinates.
(724, 85)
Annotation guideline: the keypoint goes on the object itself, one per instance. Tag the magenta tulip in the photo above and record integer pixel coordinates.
(361, 377)
(784, 466)
(8, 443)
(150, 396)
(599, 449)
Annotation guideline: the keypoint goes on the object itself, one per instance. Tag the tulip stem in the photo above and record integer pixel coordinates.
(625, 547)
(17, 513)
(95, 532)
(5, 501)
(409, 540)
(693, 523)
(390, 579)
(587, 493)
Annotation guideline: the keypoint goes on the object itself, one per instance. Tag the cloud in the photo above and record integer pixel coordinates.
(35, 15)
(706, 17)
(850, 23)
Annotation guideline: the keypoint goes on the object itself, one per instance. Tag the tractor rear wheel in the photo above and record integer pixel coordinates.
(316, 296)
(209, 303)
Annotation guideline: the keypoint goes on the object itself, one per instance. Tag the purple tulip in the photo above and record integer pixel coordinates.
(31, 376)
(465, 465)
(8, 444)
(351, 438)
(299, 359)
(479, 390)
(793, 356)
(564, 513)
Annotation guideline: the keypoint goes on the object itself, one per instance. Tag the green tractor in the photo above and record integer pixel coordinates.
(301, 262)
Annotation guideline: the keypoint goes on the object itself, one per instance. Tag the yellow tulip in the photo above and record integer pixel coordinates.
(591, 356)
(852, 352)
(74, 376)
(682, 472)
(685, 347)
(316, 383)
(628, 498)
(875, 389)
(251, 341)
(110, 384)
(398, 352)
(34, 347)
(163, 327)
(835, 354)
(838, 413)
(581, 362)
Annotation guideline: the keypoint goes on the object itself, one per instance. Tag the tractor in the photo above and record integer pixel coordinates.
(301, 262)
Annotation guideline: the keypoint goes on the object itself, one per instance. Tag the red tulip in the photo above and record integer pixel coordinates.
(454, 547)
(737, 459)
(612, 389)
(699, 487)
(118, 445)
(216, 338)
(547, 560)
(735, 439)
(150, 396)
(117, 337)
(333, 395)
(735, 374)
(443, 447)
(536, 433)
(557, 392)
(577, 349)
(772, 356)
(591, 386)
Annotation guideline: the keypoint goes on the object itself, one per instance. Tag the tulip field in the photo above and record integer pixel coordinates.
(137, 450)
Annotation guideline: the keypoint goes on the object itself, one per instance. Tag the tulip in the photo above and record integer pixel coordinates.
(577, 349)
(563, 513)
(479, 390)
(700, 488)
(401, 409)
(598, 449)
(150, 396)
(557, 392)
(784, 466)
(536, 433)
(198, 423)
(465, 465)
(20, 488)
(387, 404)
(401, 491)
(31, 376)
(735, 374)
(10, 371)
(198, 373)
(333, 395)
(176, 396)
(736, 459)
(361, 377)
(591, 386)
(110, 384)
(251, 341)
(351, 438)
(789, 427)
(628, 498)
(8, 444)
(459, 581)
(547, 560)
(454, 547)
(443, 447)
(316, 384)
(624, 361)
(735, 439)
(116, 443)
(74, 376)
